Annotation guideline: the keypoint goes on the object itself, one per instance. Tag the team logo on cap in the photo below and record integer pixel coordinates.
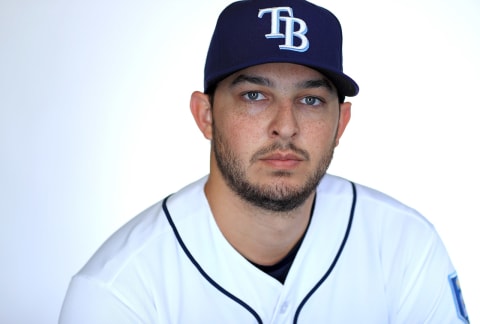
(290, 33)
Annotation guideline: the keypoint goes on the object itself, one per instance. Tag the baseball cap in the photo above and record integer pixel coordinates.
(252, 32)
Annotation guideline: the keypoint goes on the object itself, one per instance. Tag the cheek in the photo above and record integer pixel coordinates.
(241, 135)
(245, 135)
(320, 132)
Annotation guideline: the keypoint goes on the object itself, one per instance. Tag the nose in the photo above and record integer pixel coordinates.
(284, 123)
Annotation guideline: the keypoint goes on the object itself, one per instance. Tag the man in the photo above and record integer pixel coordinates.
(268, 236)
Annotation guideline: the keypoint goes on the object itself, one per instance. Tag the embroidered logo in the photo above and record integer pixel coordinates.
(457, 296)
(290, 33)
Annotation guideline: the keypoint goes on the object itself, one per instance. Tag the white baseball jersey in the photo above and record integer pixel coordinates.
(365, 258)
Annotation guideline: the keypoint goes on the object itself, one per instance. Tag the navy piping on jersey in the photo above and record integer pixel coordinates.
(199, 268)
(238, 300)
(340, 250)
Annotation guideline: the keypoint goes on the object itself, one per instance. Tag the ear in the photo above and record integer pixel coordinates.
(344, 118)
(202, 113)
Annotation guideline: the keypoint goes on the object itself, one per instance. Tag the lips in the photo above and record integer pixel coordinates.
(282, 160)
(282, 157)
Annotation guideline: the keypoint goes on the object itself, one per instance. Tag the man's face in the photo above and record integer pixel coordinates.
(275, 127)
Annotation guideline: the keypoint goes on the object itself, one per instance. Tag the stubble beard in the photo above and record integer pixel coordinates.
(278, 197)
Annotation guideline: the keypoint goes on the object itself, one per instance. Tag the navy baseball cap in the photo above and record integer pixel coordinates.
(252, 32)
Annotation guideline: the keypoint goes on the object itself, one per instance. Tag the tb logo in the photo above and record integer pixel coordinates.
(290, 33)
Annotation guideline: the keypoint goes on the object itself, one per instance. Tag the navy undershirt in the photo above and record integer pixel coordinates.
(280, 269)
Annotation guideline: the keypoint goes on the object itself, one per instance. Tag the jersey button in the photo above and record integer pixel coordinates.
(284, 308)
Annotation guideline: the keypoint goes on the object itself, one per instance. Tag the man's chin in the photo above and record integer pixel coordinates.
(277, 198)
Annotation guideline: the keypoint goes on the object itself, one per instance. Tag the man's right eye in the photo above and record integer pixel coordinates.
(253, 96)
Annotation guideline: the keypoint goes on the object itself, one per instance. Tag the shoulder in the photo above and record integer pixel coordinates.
(380, 218)
(396, 232)
(131, 245)
(370, 201)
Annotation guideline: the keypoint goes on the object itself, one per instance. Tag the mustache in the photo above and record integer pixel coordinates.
(277, 146)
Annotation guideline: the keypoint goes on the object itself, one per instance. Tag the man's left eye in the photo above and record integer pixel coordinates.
(311, 101)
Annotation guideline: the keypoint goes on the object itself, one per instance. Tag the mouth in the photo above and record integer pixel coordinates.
(282, 160)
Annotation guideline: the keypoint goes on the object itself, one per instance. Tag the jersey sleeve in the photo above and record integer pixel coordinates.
(430, 290)
(89, 301)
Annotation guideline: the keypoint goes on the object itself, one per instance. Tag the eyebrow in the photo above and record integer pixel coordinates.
(258, 80)
(251, 79)
(316, 84)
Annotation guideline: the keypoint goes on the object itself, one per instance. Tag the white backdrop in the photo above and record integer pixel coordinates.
(95, 125)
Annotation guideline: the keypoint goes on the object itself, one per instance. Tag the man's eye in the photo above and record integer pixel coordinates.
(311, 101)
(253, 96)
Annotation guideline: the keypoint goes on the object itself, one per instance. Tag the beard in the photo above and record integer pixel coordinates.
(274, 197)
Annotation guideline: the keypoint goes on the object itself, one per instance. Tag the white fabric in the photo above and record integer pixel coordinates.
(393, 269)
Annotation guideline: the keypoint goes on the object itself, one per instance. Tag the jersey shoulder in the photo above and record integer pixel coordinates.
(371, 202)
(147, 231)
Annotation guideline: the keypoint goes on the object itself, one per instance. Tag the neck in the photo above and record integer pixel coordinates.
(263, 237)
